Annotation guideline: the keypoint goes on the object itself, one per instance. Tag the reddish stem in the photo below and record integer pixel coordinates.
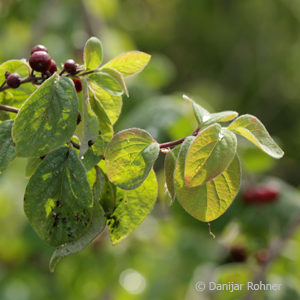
(178, 142)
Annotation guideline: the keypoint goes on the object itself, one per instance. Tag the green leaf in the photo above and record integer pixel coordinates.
(97, 226)
(224, 116)
(7, 150)
(47, 119)
(108, 193)
(170, 163)
(92, 53)
(105, 127)
(132, 208)
(58, 200)
(129, 157)
(88, 128)
(107, 82)
(208, 201)
(32, 165)
(129, 63)
(200, 113)
(90, 158)
(253, 130)
(118, 76)
(111, 104)
(209, 155)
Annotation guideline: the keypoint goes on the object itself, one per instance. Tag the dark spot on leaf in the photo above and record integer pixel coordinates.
(90, 143)
(42, 157)
(70, 234)
(58, 204)
(78, 118)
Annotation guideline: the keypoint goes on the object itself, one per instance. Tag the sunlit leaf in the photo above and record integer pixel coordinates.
(105, 127)
(209, 155)
(208, 201)
(129, 157)
(224, 116)
(129, 63)
(253, 130)
(92, 53)
(88, 128)
(118, 76)
(111, 104)
(58, 200)
(107, 82)
(132, 208)
(47, 119)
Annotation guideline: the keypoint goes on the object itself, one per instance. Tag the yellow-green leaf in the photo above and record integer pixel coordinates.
(130, 62)
(129, 157)
(209, 155)
(253, 130)
(111, 104)
(92, 53)
(209, 201)
(107, 82)
(132, 208)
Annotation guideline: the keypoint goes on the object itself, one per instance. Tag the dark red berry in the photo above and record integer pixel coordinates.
(13, 80)
(53, 67)
(40, 61)
(238, 254)
(7, 74)
(78, 84)
(260, 194)
(70, 66)
(39, 48)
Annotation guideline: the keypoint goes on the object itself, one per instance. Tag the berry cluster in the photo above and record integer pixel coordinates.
(260, 194)
(41, 61)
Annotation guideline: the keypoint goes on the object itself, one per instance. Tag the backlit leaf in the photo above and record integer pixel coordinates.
(107, 82)
(129, 63)
(208, 201)
(253, 130)
(92, 53)
(209, 155)
(111, 104)
(132, 208)
(129, 157)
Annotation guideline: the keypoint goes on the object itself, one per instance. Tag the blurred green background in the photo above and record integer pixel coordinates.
(239, 55)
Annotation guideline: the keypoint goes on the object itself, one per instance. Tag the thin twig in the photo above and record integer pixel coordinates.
(9, 108)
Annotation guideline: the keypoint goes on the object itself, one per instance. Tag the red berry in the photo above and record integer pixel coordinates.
(53, 67)
(260, 194)
(13, 80)
(40, 61)
(39, 48)
(78, 84)
(70, 66)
